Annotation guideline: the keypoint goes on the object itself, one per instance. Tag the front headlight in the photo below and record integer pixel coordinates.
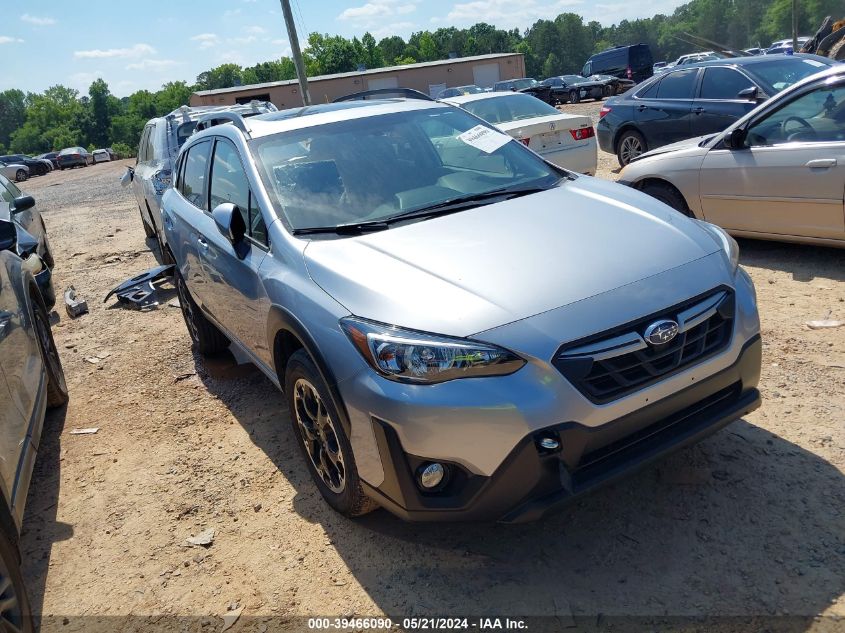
(410, 356)
(724, 240)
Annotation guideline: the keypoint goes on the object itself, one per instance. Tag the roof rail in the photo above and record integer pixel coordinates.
(218, 118)
(408, 93)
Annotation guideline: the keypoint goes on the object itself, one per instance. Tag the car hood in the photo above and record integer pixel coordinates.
(492, 265)
(690, 143)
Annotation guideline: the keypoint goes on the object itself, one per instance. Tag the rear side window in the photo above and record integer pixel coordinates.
(678, 85)
(194, 177)
(649, 92)
(142, 145)
(723, 83)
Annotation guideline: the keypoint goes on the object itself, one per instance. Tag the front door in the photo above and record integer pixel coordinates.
(790, 178)
(234, 294)
(718, 104)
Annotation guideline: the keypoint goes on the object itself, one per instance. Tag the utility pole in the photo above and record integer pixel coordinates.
(297, 54)
(795, 25)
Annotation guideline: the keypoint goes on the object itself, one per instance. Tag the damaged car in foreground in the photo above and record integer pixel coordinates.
(462, 330)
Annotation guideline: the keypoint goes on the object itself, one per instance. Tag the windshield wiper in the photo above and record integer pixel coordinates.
(463, 202)
(441, 208)
(355, 228)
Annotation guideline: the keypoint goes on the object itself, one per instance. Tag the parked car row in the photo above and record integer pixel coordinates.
(696, 99)
(31, 378)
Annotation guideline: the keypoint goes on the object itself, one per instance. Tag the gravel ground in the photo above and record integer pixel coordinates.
(748, 523)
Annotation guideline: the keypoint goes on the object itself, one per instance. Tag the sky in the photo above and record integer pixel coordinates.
(141, 45)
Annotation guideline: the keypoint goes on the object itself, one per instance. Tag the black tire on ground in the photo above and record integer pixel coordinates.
(20, 175)
(667, 194)
(147, 230)
(630, 145)
(13, 598)
(607, 91)
(574, 96)
(204, 334)
(308, 399)
(57, 394)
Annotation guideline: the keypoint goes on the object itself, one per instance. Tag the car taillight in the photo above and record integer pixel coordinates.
(525, 141)
(630, 73)
(604, 111)
(583, 133)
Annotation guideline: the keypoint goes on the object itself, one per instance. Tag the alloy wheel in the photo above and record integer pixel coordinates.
(318, 433)
(631, 148)
(187, 307)
(11, 616)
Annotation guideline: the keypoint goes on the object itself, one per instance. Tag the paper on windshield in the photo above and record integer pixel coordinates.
(485, 139)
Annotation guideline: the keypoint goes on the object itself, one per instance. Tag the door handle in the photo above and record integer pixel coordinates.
(698, 110)
(203, 244)
(640, 108)
(821, 163)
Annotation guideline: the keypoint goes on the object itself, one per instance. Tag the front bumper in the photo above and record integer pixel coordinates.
(532, 481)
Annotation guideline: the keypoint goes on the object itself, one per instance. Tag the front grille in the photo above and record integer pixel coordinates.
(616, 363)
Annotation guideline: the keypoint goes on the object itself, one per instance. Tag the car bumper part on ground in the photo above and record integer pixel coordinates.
(533, 481)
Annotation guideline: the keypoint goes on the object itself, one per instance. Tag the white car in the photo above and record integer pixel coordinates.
(14, 171)
(566, 140)
(101, 156)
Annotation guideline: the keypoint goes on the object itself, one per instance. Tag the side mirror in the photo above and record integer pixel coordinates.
(127, 177)
(8, 235)
(229, 221)
(736, 139)
(749, 94)
(22, 203)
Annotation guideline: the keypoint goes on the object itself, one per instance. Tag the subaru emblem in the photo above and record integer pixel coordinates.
(661, 332)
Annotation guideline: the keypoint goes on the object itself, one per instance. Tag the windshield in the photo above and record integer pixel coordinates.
(371, 168)
(572, 79)
(184, 131)
(522, 84)
(507, 108)
(779, 74)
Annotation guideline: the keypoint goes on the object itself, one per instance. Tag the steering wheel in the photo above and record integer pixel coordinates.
(787, 135)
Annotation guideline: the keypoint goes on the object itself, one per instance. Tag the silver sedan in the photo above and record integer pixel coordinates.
(14, 171)
(777, 173)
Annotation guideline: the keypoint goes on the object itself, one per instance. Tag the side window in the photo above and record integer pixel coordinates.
(678, 85)
(230, 184)
(150, 152)
(814, 117)
(142, 145)
(256, 226)
(649, 92)
(178, 180)
(723, 83)
(5, 193)
(194, 177)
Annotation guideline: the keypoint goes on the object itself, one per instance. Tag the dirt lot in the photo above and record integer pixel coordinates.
(750, 523)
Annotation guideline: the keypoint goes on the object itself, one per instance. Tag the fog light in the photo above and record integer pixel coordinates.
(550, 444)
(432, 475)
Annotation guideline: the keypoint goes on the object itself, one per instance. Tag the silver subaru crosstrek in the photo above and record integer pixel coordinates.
(461, 329)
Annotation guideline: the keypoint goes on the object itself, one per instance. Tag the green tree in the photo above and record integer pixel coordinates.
(392, 48)
(101, 109)
(172, 95)
(12, 113)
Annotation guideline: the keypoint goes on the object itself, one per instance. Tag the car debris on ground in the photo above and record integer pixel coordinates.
(75, 307)
(141, 291)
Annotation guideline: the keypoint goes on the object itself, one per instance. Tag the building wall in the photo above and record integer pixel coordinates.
(457, 73)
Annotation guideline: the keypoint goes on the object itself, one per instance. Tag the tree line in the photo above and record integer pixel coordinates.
(61, 117)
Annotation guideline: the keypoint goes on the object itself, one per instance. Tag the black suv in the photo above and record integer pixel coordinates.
(626, 62)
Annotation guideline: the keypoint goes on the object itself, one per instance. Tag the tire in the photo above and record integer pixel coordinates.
(322, 439)
(607, 91)
(20, 175)
(574, 96)
(667, 194)
(205, 336)
(57, 393)
(630, 145)
(837, 52)
(14, 597)
(147, 230)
